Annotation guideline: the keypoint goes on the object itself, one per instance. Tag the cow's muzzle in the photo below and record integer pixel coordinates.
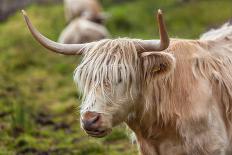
(92, 124)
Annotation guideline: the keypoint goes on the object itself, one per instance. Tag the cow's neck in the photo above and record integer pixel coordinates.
(150, 136)
(148, 124)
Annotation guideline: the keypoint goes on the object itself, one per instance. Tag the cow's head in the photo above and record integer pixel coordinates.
(112, 74)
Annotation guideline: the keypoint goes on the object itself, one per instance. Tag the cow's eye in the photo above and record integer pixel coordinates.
(119, 80)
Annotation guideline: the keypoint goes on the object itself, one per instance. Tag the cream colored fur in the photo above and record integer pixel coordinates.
(77, 8)
(82, 30)
(178, 101)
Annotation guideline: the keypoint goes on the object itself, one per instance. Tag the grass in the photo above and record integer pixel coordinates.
(38, 99)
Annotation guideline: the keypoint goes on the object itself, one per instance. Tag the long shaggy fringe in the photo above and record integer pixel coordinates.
(108, 62)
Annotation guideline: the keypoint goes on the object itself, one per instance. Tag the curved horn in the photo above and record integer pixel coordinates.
(66, 49)
(155, 45)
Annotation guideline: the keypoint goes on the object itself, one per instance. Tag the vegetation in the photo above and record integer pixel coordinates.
(38, 98)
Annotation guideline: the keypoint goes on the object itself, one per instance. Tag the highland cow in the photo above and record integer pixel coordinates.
(176, 96)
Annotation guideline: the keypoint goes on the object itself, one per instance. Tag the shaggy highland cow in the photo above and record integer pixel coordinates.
(176, 97)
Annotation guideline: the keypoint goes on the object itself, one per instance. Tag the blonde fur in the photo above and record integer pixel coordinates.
(183, 107)
(105, 63)
(82, 30)
(76, 8)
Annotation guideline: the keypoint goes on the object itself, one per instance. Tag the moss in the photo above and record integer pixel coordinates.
(117, 135)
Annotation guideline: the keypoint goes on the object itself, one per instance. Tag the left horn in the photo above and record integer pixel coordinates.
(155, 45)
(66, 49)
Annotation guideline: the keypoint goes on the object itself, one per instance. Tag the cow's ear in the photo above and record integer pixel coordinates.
(157, 63)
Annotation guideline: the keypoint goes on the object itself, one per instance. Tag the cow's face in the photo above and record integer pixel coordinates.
(111, 83)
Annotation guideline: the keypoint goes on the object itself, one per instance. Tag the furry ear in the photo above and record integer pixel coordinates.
(157, 63)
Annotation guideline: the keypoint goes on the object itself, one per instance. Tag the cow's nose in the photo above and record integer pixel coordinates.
(91, 121)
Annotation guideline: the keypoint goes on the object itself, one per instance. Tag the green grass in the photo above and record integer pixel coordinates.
(186, 20)
(38, 98)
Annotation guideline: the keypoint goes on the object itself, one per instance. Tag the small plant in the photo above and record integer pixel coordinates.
(20, 118)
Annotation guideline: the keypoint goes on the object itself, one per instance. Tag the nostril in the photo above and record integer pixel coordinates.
(90, 120)
(95, 119)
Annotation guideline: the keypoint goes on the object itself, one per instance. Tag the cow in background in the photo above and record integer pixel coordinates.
(86, 22)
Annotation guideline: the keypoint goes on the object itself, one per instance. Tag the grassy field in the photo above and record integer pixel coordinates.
(38, 99)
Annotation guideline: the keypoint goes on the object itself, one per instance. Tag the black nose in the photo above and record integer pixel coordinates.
(91, 121)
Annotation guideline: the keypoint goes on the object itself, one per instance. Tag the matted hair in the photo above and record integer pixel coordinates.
(107, 62)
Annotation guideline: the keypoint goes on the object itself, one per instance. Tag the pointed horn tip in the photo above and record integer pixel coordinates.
(24, 13)
(160, 12)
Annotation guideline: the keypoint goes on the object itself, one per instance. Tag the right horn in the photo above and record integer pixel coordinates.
(156, 45)
(66, 49)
